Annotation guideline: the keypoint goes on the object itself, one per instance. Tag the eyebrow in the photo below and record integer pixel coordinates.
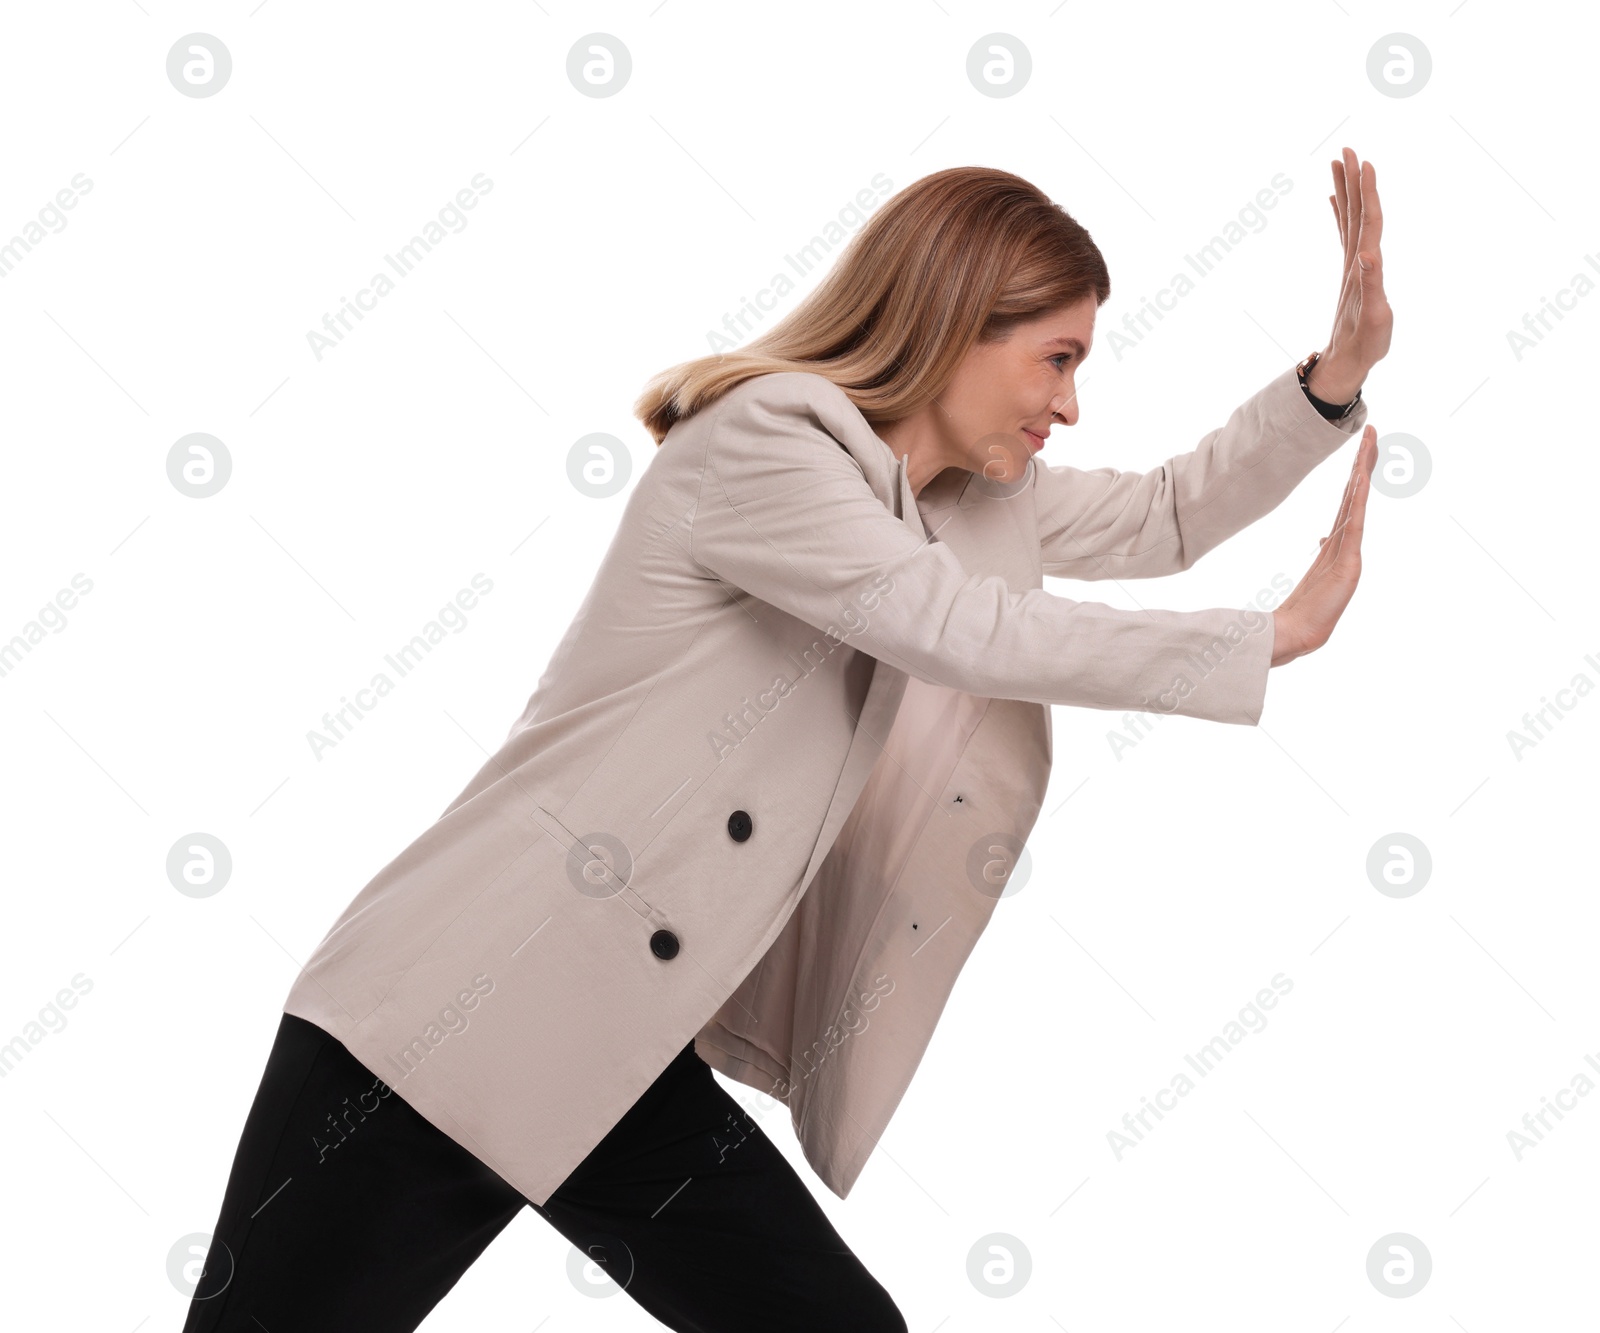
(1075, 344)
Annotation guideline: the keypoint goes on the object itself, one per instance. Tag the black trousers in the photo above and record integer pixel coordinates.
(346, 1210)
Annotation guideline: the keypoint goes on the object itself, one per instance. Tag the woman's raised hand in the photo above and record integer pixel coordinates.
(1362, 319)
(1309, 613)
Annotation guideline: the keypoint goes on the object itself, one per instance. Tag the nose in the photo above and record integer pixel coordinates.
(1065, 409)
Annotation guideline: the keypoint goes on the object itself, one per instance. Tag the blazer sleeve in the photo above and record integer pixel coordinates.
(787, 514)
(1105, 524)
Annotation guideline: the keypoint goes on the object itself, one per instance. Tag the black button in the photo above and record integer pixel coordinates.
(664, 944)
(739, 825)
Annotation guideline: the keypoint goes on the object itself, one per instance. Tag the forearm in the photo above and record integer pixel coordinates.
(1108, 524)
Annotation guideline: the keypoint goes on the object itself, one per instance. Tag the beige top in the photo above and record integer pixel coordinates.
(769, 786)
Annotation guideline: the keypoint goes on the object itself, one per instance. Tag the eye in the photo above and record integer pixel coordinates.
(1061, 356)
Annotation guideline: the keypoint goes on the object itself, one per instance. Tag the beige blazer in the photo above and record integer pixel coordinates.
(771, 783)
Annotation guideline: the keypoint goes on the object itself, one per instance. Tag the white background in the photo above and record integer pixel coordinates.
(1167, 887)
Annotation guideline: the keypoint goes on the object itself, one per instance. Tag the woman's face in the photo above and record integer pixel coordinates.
(1005, 396)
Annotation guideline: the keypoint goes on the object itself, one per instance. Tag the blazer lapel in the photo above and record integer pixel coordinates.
(887, 476)
(906, 502)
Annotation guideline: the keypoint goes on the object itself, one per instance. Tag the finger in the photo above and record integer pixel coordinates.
(1338, 218)
(1349, 552)
(1352, 193)
(1372, 278)
(1371, 213)
(1330, 551)
(1328, 547)
(1342, 202)
(1350, 201)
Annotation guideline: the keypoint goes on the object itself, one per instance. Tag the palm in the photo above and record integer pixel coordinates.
(1309, 613)
(1363, 321)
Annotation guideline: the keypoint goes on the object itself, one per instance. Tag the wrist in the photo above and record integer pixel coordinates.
(1285, 643)
(1334, 380)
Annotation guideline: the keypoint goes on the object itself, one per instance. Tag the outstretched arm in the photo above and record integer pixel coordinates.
(786, 514)
(1109, 524)
(1105, 524)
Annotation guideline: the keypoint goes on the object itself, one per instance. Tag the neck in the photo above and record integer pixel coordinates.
(915, 438)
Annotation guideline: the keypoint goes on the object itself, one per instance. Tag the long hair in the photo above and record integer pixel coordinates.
(956, 258)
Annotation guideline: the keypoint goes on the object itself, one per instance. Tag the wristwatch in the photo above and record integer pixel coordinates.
(1332, 411)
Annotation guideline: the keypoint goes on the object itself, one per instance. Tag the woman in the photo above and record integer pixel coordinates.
(768, 790)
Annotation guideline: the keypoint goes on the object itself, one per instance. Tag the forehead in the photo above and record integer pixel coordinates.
(1067, 342)
(1069, 329)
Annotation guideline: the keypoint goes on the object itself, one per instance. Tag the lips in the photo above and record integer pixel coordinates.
(1036, 440)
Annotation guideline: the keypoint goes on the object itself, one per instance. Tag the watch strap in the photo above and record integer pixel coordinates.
(1331, 411)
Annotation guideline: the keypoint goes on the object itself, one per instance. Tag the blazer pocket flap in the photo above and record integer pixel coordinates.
(594, 868)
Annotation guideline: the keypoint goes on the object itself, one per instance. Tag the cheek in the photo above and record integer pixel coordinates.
(993, 408)
(1014, 398)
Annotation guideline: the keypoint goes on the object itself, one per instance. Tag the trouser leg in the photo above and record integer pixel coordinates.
(690, 1208)
(344, 1208)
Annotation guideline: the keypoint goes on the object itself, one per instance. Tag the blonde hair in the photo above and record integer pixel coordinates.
(956, 258)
